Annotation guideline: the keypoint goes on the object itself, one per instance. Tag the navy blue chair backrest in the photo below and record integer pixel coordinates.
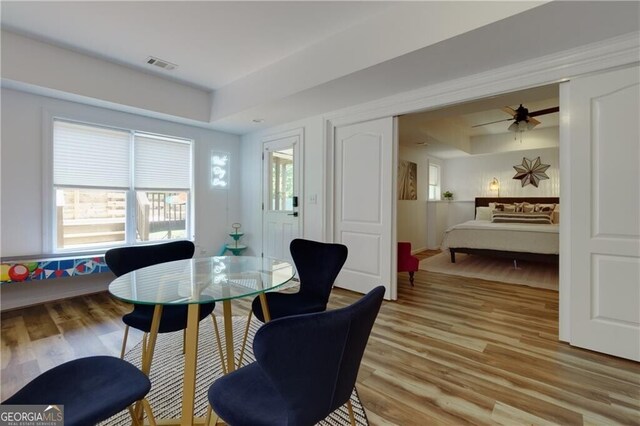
(313, 359)
(123, 260)
(318, 264)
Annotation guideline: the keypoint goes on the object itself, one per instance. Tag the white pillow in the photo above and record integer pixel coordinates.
(483, 213)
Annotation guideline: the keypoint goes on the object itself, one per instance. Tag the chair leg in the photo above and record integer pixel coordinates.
(134, 418)
(411, 278)
(124, 341)
(144, 344)
(219, 342)
(244, 338)
(207, 419)
(147, 409)
(352, 417)
(138, 420)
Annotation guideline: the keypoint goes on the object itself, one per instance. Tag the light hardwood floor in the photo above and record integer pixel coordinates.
(451, 350)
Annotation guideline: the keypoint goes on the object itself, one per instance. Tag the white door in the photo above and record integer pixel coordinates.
(363, 205)
(282, 195)
(604, 146)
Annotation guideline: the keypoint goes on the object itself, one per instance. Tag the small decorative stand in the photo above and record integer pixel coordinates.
(234, 247)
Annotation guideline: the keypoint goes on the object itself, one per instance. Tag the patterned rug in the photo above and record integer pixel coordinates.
(167, 369)
(533, 274)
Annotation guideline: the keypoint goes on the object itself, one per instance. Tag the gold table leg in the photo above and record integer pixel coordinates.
(228, 336)
(147, 355)
(265, 307)
(190, 364)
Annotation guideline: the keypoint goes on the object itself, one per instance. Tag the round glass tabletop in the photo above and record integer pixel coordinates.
(201, 280)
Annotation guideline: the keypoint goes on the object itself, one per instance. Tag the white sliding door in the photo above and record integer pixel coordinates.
(604, 219)
(363, 207)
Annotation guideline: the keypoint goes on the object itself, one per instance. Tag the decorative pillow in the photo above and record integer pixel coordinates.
(523, 207)
(483, 213)
(544, 207)
(504, 207)
(521, 217)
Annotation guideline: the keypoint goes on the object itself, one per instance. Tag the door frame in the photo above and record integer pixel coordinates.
(299, 177)
(550, 69)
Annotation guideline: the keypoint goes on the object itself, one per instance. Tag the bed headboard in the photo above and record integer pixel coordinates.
(484, 201)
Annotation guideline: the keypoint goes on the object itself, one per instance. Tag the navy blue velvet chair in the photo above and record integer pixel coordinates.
(318, 264)
(174, 318)
(91, 389)
(306, 367)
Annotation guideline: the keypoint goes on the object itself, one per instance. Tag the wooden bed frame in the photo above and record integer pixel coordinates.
(515, 255)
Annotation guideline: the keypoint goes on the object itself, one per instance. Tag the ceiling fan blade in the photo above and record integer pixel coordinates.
(544, 111)
(509, 110)
(532, 123)
(492, 122)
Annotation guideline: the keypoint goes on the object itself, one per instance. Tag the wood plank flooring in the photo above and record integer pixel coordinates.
(450, 350)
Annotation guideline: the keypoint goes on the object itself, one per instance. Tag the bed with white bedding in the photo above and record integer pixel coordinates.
(522, 241)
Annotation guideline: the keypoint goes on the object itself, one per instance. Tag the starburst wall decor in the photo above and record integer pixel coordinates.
(531, 171)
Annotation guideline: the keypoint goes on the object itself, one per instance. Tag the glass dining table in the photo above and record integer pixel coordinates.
(193, 282)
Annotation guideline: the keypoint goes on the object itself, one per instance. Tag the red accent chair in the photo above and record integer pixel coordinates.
(406, 261)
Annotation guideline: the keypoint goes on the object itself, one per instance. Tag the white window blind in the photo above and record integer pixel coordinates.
(161, 163)
(90, 156)
(434, 175)
(434, 182)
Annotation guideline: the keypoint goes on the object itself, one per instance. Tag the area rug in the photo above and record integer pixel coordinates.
(168, 367)
(533, 274)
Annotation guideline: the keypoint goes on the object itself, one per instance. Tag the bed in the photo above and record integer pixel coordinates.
(514, 240)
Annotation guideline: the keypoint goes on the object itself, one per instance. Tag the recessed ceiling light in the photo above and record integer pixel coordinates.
(258, 120)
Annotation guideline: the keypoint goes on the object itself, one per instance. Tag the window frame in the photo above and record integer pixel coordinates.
(49, 216)
(438, 186)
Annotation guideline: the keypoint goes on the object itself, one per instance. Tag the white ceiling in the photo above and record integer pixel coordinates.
(213, 43)
(417, 129)
(284, 61)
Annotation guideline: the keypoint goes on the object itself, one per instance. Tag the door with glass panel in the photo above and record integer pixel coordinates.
(281, 207)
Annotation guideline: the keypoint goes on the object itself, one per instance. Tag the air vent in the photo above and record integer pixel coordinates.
(161, 63)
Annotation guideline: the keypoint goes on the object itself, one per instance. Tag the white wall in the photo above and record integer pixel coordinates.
(22, 181)
(441, 215)
(313, 214)
(469, 177)
(411, 215)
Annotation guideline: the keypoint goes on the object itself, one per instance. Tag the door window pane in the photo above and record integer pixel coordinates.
(281, 179)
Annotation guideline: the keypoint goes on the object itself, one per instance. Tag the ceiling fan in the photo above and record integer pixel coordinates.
(523, 119)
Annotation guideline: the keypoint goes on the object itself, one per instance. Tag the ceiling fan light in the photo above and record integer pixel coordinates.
(515, 127)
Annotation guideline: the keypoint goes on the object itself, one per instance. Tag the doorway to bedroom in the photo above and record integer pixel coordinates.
(459, 165)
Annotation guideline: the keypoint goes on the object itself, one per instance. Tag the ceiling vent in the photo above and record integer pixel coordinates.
(161, 63)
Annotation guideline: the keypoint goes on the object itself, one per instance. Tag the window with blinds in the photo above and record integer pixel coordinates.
(434, 182)
(116, 187)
